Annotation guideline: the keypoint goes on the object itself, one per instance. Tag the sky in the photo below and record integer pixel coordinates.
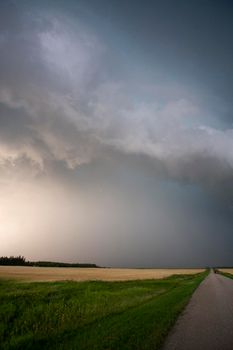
(116, 132)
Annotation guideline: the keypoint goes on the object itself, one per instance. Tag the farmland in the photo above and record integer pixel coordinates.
(226, 270)
(133, 314)
(26, 273)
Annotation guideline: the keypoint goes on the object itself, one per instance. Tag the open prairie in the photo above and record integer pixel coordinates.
(26, 273)
(88, 315)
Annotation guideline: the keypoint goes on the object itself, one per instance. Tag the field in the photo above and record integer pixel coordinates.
(230, 271)
(226, 272)
(27, 273)
(92, 314)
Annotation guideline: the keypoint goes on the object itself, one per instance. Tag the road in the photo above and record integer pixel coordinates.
(207, 321)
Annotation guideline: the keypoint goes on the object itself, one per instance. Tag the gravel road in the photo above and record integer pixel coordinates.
(207, 321)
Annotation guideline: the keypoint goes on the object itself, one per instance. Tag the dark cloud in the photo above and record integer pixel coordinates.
(102, 111)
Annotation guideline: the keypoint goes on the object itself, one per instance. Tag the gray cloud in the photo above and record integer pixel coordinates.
(59, 116)
(132, 147)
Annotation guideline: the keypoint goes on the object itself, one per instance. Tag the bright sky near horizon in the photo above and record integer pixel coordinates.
(116, 131)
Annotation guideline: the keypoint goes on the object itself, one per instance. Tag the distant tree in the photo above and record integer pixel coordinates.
(13, 260)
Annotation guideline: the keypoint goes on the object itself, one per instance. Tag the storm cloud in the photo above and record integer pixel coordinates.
(124, 148)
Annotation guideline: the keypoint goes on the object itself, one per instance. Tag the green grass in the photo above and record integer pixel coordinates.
(91, 315)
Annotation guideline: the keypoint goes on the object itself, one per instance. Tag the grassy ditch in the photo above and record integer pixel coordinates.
(224, 273)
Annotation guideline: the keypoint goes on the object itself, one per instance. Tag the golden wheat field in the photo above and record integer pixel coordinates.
(227, 270)
(26, 273)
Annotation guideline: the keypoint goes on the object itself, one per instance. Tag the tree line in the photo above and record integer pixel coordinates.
(21, 261)
(13, 260)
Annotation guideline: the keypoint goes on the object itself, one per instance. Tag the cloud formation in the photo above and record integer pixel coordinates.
(62, 105)
(78, 135)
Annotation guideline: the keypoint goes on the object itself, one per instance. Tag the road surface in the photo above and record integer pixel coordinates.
(207, 321)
